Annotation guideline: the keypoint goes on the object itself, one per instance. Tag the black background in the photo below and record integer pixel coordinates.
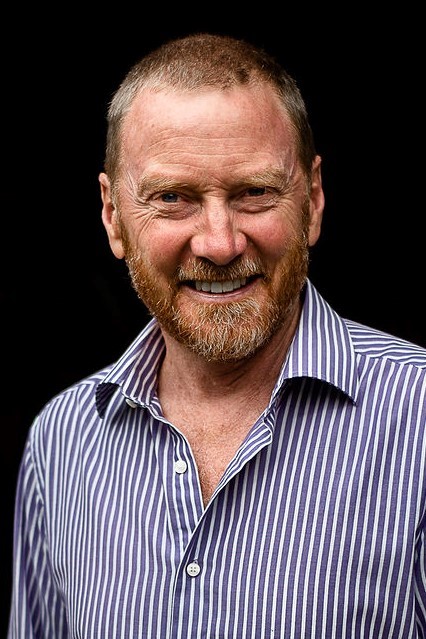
(68, 308)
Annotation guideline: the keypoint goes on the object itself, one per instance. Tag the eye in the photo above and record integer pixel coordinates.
(256, 191)
(169, 197)
(173, 205)
(255, 199)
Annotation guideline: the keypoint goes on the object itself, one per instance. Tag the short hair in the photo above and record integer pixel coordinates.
(202, 60)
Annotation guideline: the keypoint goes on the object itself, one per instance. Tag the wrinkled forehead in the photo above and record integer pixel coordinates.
(259, 102)
(249, 117)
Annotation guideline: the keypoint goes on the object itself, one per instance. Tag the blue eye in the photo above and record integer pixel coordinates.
(169, 197)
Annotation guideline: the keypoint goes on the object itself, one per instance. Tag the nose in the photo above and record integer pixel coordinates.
(218, 237)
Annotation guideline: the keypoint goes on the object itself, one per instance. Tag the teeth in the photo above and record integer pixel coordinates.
(220, 287)
(227, 286)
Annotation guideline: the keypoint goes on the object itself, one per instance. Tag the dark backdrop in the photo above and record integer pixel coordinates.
(68, 308)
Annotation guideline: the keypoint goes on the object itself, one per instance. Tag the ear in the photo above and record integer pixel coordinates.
(316, 202)
(110, 217)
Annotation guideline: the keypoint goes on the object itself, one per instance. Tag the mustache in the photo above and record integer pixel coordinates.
(204, 270)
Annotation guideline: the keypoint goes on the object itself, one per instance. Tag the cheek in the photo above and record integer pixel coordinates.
(163, 250)
(271, 237)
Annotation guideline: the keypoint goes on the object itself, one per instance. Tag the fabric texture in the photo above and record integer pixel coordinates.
(316, 529)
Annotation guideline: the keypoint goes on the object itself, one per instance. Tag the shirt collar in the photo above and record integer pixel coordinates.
(135, 373)
(321, 348)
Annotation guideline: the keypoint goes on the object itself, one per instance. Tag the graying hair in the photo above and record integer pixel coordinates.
(200, 61)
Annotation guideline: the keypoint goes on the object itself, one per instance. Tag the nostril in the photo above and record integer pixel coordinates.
(219, 248)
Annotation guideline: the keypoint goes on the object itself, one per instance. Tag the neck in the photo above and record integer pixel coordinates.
(183, 370)
(215, 404)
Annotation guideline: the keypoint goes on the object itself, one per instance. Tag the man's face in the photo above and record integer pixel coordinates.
(213, 217)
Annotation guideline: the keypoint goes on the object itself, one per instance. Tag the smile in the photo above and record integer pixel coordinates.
(220, 287)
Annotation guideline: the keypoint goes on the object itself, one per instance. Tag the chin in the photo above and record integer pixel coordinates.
(224, 332)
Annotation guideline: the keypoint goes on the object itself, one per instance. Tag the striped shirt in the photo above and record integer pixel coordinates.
(316, 529)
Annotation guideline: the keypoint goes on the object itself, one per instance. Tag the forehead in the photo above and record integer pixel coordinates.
(242, 125)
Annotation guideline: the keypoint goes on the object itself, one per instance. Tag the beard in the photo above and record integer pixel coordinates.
(222, 331)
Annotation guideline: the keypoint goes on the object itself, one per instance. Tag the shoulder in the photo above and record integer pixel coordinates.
(68, 410)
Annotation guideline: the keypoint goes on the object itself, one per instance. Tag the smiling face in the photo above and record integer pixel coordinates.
(214, 216)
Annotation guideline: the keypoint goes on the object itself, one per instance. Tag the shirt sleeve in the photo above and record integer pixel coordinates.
(37, 608)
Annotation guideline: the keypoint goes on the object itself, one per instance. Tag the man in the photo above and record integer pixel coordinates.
(253, 465)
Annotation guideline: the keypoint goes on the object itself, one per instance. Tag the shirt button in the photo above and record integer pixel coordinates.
(181, 466)
(193, 569)
(131, 403)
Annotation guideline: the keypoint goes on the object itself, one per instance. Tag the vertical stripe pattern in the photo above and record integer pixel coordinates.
(316, 529)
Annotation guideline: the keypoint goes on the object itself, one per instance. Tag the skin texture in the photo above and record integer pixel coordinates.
(211, 190)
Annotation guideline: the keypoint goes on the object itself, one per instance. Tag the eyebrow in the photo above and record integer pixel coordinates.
(159, 184)
(270, 176)
(278, 177)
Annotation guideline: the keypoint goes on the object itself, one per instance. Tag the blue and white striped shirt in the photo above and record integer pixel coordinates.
(316, 529)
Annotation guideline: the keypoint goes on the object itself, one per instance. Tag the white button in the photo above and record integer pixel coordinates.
(193, 569)
(181, 466)
(131, 403)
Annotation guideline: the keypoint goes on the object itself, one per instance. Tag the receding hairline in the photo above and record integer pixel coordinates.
(200, 62)
(195, 62)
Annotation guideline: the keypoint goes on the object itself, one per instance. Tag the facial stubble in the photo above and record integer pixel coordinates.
(222, 331)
